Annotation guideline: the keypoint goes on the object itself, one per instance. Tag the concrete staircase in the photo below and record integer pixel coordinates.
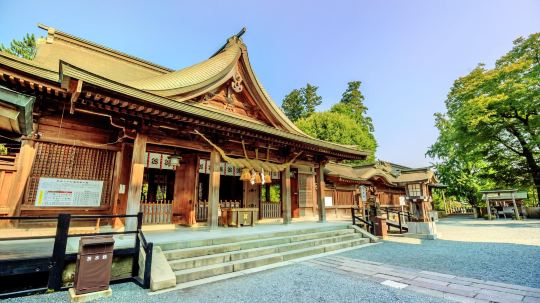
(202, 259)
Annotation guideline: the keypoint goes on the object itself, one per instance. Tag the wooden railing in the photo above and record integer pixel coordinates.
(201, 210)
(159, 212)
(361, 220)
(55, 263)
(402, 218)
(270, 210)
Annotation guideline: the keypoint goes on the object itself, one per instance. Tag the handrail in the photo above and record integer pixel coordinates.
(59, 255)
(366, 222)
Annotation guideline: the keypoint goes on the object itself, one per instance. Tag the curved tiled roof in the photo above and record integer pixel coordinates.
(195, 76)
(369, 171)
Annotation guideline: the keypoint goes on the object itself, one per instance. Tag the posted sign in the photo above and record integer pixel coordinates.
(68, 192)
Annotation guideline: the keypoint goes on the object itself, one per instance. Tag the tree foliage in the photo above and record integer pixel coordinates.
(352, 105)
(491, 130)
(338, 128)
(300, 103)
(25, 48)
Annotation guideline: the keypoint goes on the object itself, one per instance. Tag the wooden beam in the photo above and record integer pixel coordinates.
(75, 87)
(136, 180)
(213, 189)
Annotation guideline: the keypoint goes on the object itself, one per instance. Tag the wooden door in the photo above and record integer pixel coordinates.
(185, 190)
(295, 207)
(252, 195)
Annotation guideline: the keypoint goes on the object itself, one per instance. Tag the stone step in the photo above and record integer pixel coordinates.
(243, 245)
(191, 274)
(205, 260)
(246, 237)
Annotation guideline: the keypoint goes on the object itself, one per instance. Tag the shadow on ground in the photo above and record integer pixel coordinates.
(502, 262)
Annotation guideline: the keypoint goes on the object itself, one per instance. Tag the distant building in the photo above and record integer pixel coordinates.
(384, 183)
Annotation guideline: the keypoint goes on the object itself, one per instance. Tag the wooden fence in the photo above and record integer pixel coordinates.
(270, 210)
(159, 212)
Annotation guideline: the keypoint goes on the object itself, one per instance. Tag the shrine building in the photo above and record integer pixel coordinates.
(104, 132)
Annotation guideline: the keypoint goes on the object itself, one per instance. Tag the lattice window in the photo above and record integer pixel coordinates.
(414, 190)
(71, 162)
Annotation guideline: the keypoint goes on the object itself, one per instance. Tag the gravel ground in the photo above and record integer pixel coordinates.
(470, 248)
(296, 283)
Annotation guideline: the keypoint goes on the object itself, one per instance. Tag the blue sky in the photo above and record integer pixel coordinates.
(406, 53)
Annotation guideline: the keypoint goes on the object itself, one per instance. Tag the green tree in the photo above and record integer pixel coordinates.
(25, 48)
(300, 103)
(352, 104)
(463, 172)
(492, 118)
(338, 128)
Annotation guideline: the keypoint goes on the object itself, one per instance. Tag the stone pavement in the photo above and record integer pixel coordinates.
(454, 288)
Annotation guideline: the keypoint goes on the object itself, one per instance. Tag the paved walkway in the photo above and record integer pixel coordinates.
(503, 251)
(459, 289)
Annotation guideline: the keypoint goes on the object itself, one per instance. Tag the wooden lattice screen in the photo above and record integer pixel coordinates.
(71, 162)
(305, 188)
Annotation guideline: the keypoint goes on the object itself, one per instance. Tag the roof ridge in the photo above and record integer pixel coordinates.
(53, 31)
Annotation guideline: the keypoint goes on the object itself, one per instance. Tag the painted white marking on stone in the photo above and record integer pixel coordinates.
(394, 284)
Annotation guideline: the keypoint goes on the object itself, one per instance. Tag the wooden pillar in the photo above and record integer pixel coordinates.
(320, 193)
(136, 180)
(286, 195)
(23, 165)
(115, 195)
(267, 192)
(213, 189)
(516, 211)
(124, 177)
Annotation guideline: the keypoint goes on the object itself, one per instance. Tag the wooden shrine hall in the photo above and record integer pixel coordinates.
(103, 132)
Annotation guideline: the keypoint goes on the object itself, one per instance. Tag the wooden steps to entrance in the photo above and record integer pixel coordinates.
(196, 260)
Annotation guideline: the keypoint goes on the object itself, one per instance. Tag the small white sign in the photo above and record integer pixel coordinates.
(402, 200)
(122, 189)
(363, 193)
(202, 166)
(328, 201)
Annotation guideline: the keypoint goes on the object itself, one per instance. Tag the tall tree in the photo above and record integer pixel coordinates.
(462, 172)
(25, 48)
(300, 103)
(352, 104)
(493, 114)
(338, 128)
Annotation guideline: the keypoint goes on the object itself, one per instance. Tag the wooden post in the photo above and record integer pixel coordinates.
(213, 189)
(488, 208)
(59, 252)
(23, 164)
(136, 180)
(444, 201)
(320, 193)
(115, 195)
(286, 195)
(267, 192)
(516, 211)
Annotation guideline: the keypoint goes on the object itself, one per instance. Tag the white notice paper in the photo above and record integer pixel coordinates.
(68, 192)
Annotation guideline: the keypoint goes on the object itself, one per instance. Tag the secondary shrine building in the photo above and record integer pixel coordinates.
(103, 132)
